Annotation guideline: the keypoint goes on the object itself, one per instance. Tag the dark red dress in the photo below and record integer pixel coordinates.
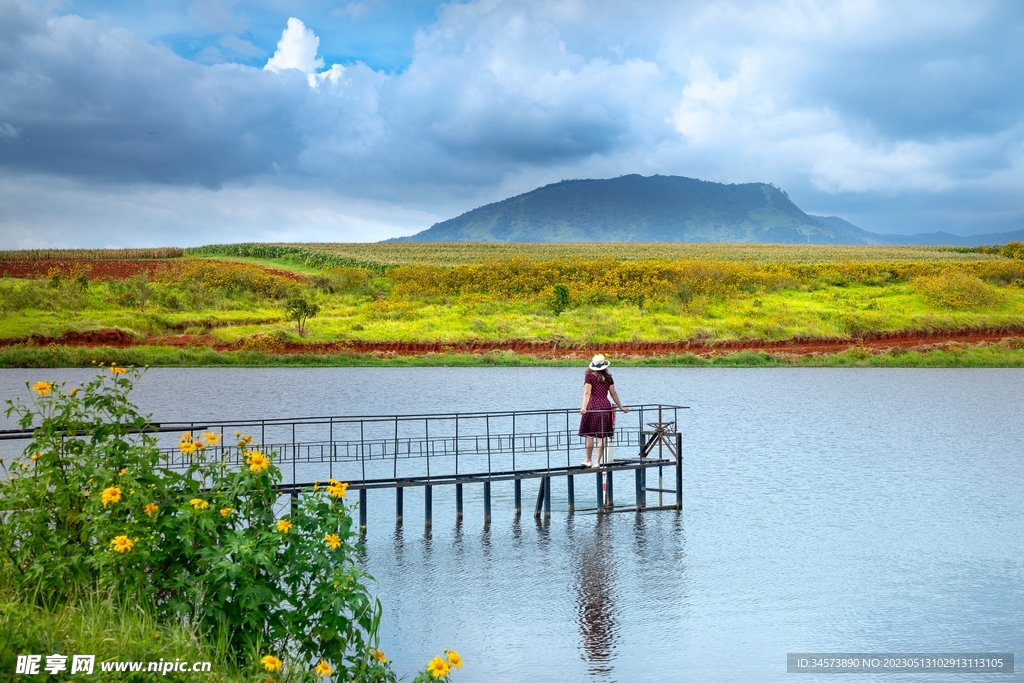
(599, 419)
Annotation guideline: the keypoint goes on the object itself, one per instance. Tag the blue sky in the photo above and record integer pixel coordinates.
(149, 123)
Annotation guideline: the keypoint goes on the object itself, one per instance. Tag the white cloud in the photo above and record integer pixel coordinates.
(8, 131)
(296, 50)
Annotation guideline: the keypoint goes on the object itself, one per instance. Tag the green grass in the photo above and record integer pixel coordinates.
(113, 630)
(768, 316)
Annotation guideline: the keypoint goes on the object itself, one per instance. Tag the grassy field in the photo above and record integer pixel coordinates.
(569, 295)
(454, 253)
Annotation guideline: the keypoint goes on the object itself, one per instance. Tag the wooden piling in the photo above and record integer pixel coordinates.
(458, 502)
(398, 504)
(572, 494)
(519, 496)
(610, 497)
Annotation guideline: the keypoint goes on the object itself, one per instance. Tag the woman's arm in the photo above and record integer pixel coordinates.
(586, 399)
(615, 396)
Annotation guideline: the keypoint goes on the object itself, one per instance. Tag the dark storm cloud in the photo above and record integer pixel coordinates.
(103, 104)
(954, 80)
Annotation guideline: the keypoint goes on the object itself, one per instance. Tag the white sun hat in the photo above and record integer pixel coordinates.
(599, 362)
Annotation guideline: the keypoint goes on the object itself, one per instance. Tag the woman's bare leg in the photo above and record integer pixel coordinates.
(600, 451)
(590, 450)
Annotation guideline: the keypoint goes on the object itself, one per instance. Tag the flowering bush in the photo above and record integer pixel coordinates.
(90, 505)
(957, 290)
(440, 668)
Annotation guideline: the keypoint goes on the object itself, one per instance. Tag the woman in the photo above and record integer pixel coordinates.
(598, 418)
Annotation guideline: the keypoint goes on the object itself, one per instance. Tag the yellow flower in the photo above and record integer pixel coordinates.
(438, 667)
(42, 388)
(379, 656)
(199, 504)
(454, 659)
(257, 461)
(188, 447)
(243, 441)
(336, 488)
(150, 508)
(284, 526)
(271, 663)
(186, 437)
(123, 472)
(224, 512)
(117, 371)
(324, 669)
(122, 544)
(110, 495)
(73, 391)
(316, 486)
(212, 438)
(36, 457)
(333, 541)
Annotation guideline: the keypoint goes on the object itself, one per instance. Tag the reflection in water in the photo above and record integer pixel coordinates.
(595, 608)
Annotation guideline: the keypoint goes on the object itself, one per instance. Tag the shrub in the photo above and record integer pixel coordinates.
(21, 295)
(956, 290)
(1013, 250)
(230, 278)
(91, 506)
(559, 298)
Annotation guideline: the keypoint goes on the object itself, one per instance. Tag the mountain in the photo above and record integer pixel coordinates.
(635, 208)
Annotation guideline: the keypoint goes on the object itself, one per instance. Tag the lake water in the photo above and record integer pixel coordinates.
(826, 510)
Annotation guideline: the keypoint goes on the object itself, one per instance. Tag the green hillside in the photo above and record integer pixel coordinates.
(634, 208)
(666, 209)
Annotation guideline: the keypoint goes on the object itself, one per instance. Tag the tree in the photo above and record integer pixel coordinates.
(299, 310)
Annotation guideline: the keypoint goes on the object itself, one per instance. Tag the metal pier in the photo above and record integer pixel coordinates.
(454, 449)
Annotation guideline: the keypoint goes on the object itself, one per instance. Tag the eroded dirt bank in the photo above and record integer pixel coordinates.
(876, 342)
